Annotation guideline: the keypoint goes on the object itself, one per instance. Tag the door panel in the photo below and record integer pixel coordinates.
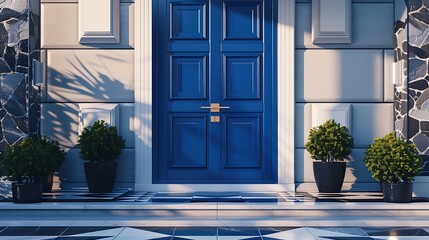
(188, 20)
(188, 77)
(218, 54)
(188, 142)
(242, 21)
(241, 77)
(242, 141)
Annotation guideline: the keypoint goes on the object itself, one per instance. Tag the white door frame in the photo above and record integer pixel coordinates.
(143, 105)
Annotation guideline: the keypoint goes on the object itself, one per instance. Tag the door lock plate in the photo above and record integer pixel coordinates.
(214, 118)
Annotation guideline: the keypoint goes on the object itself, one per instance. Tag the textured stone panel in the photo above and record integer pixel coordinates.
(17, 48)
(72, 170)
(90, 76)
(356, 169)
(339, 75)
(60, 121)
(372, 26)
(371, 121)
(60, 27)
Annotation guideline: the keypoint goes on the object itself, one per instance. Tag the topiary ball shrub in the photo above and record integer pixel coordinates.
(31, 160)
(391, 160)
(100, 143)
(329, 142)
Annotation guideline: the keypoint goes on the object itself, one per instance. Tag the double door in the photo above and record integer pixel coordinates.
(215, 91)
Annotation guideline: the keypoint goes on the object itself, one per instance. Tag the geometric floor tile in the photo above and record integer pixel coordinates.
(18, 231)
(195, 233)
(101, 233)
(213, 233)
(326, 233)
(348, 238)
(84, 230)
(135, 233)
(400, 238)
(297, 233)
(239, 233)
(396, 232)
(28, 238)
(355, 231)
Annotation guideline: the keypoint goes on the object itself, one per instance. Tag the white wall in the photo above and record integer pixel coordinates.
(90, 73)
(355, 75)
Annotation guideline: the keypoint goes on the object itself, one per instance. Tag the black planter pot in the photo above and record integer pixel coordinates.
(27, 192)
(329, 176)
(47, 183)
(100, 176)
(398, 192)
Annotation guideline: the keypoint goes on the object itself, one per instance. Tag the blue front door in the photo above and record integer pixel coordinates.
(215, 91)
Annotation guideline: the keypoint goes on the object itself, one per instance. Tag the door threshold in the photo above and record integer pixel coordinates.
(214, 187)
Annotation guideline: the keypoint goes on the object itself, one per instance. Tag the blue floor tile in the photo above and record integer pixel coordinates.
(238, 231)
(18, 231)
(195, 231)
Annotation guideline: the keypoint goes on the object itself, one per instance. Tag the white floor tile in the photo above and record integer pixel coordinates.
(298, 233)
(233, 237)
(27, 237)
(131, 233)
(401, 237)
(321, 233)
(110, 232)
(198, 237)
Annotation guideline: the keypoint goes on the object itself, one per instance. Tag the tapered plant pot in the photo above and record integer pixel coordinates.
(48, 182)
(27, 192)
(329, 176)
(398, 192)
(100, 176)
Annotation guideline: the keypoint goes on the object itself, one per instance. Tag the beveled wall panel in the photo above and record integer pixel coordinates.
(59, 28)
(90, 76)
(336, 75)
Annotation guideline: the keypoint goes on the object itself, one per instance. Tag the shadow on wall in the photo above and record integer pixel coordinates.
(332, 75)
(78, 79)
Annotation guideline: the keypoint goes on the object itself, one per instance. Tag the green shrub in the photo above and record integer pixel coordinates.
(31, 159)
(100, 143)
(392, 160)
(329, 142)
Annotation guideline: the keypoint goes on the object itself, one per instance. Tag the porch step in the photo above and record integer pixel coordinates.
(214, 214)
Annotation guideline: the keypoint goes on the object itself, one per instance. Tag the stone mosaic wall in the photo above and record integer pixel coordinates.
(19, 43)
(412, 97)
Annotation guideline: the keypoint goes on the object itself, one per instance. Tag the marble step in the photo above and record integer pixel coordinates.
(213, 214)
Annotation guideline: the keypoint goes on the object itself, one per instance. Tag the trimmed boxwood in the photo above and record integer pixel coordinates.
(392, 160)
(100, 143)
(329, 142)
(31, 160)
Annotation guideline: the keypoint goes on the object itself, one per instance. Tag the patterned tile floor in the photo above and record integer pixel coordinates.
(82, 195)
(208, 233)
(131, 196)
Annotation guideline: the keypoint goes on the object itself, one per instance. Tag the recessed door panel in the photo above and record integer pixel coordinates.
(242, 21)
(241, 77)
(242, 141)
(188, 20)
(188, 78)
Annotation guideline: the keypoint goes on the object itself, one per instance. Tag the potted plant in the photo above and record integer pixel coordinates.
(329, 144)
(100, 146)
(27, 163)
(394, 163)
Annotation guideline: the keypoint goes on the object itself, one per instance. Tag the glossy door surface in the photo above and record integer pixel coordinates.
(214, 52)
